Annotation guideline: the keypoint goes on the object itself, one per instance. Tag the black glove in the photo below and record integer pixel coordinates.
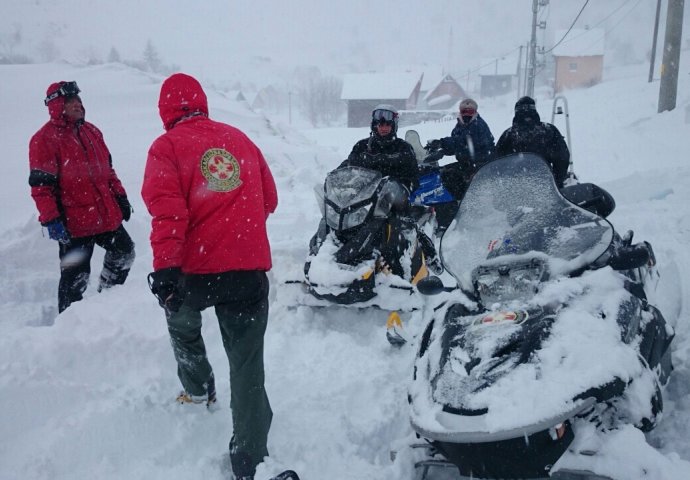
(57, 231)
(432, 145)
(125, 206)
(165, 286)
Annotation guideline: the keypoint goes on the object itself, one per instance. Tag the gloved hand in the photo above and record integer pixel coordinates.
(165, 286)
(57, 231)
(125, 206)
(432, 145)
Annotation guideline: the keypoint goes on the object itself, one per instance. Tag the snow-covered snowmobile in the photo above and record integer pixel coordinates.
(550, 326)
(367, 242)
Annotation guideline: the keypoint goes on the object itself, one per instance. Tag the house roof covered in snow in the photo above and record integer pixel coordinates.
(433, 87)
(579, 42)
(432, 73)
(379, 86)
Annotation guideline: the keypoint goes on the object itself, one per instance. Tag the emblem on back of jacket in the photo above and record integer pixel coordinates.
(221, 169)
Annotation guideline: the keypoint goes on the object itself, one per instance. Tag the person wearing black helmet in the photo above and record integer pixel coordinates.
(530, 134)
(383, 151)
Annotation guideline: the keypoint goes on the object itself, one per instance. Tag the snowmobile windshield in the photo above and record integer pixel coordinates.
(513, 215)
(349, 195)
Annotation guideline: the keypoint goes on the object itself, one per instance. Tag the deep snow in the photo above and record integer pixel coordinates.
(90, 393)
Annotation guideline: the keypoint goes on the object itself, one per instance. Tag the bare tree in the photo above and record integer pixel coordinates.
(151, 58)
(114, 55)
(320, 99)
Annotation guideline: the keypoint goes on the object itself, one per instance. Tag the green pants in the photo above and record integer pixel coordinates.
(240, 300)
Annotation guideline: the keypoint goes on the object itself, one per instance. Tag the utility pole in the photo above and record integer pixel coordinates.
(519, 74)
(671, 60)
(656, 34)
(532, 52)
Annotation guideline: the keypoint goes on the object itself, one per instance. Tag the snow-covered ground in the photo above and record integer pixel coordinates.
(90, 393)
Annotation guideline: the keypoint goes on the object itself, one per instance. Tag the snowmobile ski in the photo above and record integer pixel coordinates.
(286, 475)
(577, 475)
(394, 330)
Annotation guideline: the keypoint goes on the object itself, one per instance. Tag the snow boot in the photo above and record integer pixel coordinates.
(209, 398)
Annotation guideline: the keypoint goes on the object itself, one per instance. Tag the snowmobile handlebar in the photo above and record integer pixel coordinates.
(433, 156)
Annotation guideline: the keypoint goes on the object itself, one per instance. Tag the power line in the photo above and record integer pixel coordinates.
(569, 28)
(615, 25)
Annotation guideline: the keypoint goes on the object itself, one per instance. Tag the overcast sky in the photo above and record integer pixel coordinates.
(219, 37)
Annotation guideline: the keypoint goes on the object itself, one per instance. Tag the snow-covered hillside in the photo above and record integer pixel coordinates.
(90, 393)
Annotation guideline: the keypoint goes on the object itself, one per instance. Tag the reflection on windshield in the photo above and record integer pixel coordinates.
(512, 209)
(349, 185)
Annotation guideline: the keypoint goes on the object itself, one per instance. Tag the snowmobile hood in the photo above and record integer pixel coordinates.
(181, 96)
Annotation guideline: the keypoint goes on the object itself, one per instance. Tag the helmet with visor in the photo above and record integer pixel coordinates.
(384, 114)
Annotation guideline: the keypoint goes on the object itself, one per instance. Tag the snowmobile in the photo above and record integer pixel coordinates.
(370, 248)
(549, 327)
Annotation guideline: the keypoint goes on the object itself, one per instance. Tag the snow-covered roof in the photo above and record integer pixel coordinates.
(507, 65)
(432, 88)
(579, 42)
(432, 73)
(440, 99)
(379, 86)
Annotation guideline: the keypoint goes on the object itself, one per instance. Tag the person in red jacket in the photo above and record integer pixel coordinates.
(210, 191)
(79, 198)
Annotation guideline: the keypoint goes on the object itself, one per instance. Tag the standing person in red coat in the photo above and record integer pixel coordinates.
(210, 191)
(79, 198)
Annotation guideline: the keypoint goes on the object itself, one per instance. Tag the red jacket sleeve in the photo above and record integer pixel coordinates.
(164, 199)
(268, 185)
(43, 178)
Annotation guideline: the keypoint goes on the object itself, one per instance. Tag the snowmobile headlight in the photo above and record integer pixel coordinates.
(332, 217)
(506, 283)
(355, 217)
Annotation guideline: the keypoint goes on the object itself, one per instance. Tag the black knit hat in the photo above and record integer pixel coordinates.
(525, 104)
(526, 112)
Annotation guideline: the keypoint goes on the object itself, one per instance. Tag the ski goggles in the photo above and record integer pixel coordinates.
(67, 89)
(526, 107)
(384, 116)
(467, 112)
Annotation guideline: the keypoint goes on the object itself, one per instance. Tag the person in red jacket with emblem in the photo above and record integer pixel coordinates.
(210, 191)
(79, 198)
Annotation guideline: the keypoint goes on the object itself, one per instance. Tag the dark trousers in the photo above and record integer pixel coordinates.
(240, 300)
(75, 264)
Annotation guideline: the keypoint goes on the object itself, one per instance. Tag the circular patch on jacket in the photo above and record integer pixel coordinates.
(221, 169)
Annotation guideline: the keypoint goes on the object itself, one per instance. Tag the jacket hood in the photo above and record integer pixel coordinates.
(181, 96)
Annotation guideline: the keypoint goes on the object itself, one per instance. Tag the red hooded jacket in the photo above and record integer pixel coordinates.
(71, 175)
(207, 187)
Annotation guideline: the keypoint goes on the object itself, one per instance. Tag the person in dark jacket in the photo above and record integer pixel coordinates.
(79, 198)
(209, 191)
(472, 144)
(530, 134)
(384, 152)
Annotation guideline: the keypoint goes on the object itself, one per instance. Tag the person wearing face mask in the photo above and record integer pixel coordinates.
(80, 199)
(529, 134)
(472, 144)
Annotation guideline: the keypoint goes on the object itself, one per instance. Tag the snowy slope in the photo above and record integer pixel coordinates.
(89, 394)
